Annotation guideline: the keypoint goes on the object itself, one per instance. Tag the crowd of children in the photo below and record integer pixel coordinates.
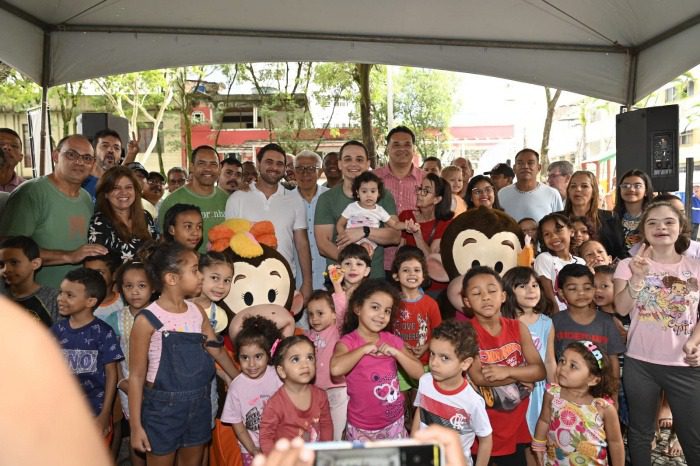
(533, 378)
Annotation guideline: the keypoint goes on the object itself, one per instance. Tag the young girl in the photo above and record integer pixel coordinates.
(367, 355)
(169, 368)
(326, 324)
(135, 288)
(554, 233)
(354, 268)
(453, 176)
(583, 229)
(250, 391)
(298, 408)
(183, 224)
(507, 358)
(658, 288)
(578, 423)
(365, 212)
(634, 192)
(418, 315)
(525, 302)
(217, 273)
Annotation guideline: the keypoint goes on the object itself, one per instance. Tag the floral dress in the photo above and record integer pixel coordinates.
(102, 232)
(576, 433)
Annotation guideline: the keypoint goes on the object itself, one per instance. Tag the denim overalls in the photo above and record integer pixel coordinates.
(176, 410)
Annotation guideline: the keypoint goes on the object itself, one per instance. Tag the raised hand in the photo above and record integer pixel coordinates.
(639, 265)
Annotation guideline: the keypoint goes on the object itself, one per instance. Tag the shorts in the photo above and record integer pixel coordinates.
(174, 420)
(394, 430)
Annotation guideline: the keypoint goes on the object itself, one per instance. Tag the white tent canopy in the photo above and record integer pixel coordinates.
(619, 50)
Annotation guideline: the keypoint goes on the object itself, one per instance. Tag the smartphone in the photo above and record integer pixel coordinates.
(378, 453)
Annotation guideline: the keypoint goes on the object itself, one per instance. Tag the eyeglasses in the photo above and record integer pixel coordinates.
(302, 169)
(480, 191)
(554, 175)
(72, 155)
(423, 191)
(155, 181)
(630, 186)
(177, 181)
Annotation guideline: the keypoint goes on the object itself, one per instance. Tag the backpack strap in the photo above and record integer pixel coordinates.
(152, 319)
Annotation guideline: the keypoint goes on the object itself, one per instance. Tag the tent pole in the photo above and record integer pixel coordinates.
(631, 96)
(45, 76)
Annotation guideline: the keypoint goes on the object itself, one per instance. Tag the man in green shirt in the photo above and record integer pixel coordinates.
(55, 211)
(201, 191)
(353, 160)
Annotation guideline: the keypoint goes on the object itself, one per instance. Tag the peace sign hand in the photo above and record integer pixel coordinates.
(639, 265)
(133, 146)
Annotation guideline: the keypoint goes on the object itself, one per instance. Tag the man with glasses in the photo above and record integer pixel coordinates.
(11, 145)
(528, 197)
(307, 168)
(177, 177)
(268, 199)
(55, 211)
(201, 191)
(558, 176)
(153, 192)
(400, 176)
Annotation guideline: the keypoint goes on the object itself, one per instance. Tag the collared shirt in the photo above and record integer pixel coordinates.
(404, 192)
(284, 209)
(318, 262)
(15, 181)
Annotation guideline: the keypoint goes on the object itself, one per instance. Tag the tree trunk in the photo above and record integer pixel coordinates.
(551, 106)
(362, 77)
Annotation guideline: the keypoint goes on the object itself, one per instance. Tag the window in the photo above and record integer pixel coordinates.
(687, 137)
(671, 94)
(198, 118)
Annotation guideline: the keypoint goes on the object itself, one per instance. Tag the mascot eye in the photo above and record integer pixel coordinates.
(271, 295)
(248, 298)
(498, 267)
(475, 263)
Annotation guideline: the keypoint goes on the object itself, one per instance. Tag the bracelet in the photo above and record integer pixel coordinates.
(641, 286)
(538, 445)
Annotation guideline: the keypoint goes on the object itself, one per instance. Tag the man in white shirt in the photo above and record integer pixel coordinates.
(267, 199)
(528, 197)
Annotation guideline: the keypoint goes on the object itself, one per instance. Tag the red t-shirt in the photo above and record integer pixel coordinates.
(415, 322)
(281, 419)
(509, 427)
(426, 228)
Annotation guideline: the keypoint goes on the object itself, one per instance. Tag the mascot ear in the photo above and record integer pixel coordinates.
(297, 303)
(436, 271)
(454, 295)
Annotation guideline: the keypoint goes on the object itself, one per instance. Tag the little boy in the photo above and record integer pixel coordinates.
(89, 345)
(594, 253)
(446, 398)
(106, 265)
(581, 321)
(19, 260)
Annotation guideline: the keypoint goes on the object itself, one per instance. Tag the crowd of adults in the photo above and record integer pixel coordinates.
(99, 198)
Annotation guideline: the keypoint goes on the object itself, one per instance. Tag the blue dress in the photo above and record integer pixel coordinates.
(540, 333)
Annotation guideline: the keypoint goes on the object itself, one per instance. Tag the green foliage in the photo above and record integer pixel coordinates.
(17, 93)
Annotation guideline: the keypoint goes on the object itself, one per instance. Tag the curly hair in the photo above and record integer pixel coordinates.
(462, 336)
(257, 330)
(361, 294)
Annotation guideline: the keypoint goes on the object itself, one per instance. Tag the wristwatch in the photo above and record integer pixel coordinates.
(366, 230)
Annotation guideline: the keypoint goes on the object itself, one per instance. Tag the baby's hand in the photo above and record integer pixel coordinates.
(495, 373)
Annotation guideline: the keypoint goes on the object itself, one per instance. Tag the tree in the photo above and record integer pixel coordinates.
(68, 97)
(425, 102)
(146, 94)
(362, 78)
(186, 85)
(551, 106)
(17, 93)
(283, 89)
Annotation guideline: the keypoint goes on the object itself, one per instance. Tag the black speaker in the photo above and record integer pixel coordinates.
(90, 123)
(647, 140)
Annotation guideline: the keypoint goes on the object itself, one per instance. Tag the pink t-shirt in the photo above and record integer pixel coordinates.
(373, 385)
(282, 419)
(246, 399)
(189, 321)
(325, 341)
(665, 312)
